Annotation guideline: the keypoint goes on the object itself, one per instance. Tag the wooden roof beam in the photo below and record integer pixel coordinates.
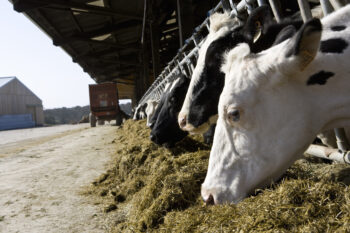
(108, 61)
(67, 40)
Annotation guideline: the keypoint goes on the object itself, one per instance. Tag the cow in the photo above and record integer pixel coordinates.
(140, 112)
(155, 115)
(165, 130)
(136, 113)
(274, 103)
(150, 110)
(260, 30)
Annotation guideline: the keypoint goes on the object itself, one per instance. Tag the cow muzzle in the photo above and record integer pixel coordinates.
(182, 120)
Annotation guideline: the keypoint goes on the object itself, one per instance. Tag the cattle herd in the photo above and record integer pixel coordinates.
(266, 89)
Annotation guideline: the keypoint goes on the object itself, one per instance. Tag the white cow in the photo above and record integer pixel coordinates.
(274, 103)
(150, 110)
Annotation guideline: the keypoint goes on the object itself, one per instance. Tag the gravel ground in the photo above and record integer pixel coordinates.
(43, 172)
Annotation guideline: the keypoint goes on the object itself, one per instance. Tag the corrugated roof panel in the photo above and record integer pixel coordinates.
(5, 80)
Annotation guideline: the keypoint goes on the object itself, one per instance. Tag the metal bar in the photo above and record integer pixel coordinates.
(305, 10)
(328, 153)
(179, 23)
(342, 141)
(276, 10)
(226, 5)
(261, 2)
(326, 7)
(337, 4)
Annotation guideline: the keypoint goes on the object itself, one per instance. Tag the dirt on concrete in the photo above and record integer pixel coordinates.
(43, 172)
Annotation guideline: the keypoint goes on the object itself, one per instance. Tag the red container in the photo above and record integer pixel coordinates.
(104, 103)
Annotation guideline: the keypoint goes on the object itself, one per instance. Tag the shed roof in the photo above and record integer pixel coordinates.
(104, 36)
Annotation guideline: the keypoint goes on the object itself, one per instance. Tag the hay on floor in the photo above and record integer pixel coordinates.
(149, 188)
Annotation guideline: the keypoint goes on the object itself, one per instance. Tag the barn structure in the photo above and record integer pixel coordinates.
(126, 42)
(19, 106)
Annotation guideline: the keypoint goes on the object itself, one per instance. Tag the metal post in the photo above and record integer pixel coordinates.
(342, 141)
(226, 5)
(329, 153)
(249, 7)
(261, 2)
(179, 22)
(326, 7)
(276, 10)
(305, 10)
(144, 21)
(338, 3)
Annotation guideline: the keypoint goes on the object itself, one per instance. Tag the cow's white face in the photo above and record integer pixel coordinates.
(136, 113)
(150, 110)
(220, 26)
(268, 116)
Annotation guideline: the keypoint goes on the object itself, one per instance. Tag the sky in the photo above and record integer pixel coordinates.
(28, 53)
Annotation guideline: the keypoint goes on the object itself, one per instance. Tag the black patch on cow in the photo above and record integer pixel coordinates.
(319, 78)
(157, 111)
(334, 45)
(338, 28)
(284, 34)
(207, 90)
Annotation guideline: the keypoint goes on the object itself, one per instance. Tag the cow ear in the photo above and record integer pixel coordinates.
(285, 34)
(304, 45)
(257, 22)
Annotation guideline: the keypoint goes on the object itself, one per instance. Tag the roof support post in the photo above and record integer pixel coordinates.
(185, 19)
(155, 44)
(145, 60)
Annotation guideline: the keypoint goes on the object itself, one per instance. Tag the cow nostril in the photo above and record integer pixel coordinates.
(182, 121)
(152, 137)
(210, 200)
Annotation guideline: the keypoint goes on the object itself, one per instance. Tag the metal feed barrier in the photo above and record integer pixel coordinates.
(185, 60)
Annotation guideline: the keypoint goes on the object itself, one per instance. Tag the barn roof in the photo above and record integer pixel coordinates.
(24, 89)
(5, 80)
(104, 36)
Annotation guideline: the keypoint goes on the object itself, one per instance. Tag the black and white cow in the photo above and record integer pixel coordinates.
(165, 130)
(200, 107)
(275, 102)
(140, 112)
(150, 110)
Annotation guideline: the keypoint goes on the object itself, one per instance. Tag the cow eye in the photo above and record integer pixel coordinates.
(172, 99)
(233, 115)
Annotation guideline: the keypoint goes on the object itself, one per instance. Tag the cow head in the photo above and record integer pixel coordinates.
(154, 117)
(267, 116)
(200, 106)
(165, 129)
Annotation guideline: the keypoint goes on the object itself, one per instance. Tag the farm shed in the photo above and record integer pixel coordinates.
(126, 42)
(19, 106)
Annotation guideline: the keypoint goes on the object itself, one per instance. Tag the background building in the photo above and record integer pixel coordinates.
(19, 106)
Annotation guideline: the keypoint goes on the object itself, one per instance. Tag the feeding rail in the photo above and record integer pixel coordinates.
(185, 60)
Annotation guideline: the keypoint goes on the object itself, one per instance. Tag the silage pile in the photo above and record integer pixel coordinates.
(150, 188)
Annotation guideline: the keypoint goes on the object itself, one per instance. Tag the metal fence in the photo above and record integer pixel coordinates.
(185, 60)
